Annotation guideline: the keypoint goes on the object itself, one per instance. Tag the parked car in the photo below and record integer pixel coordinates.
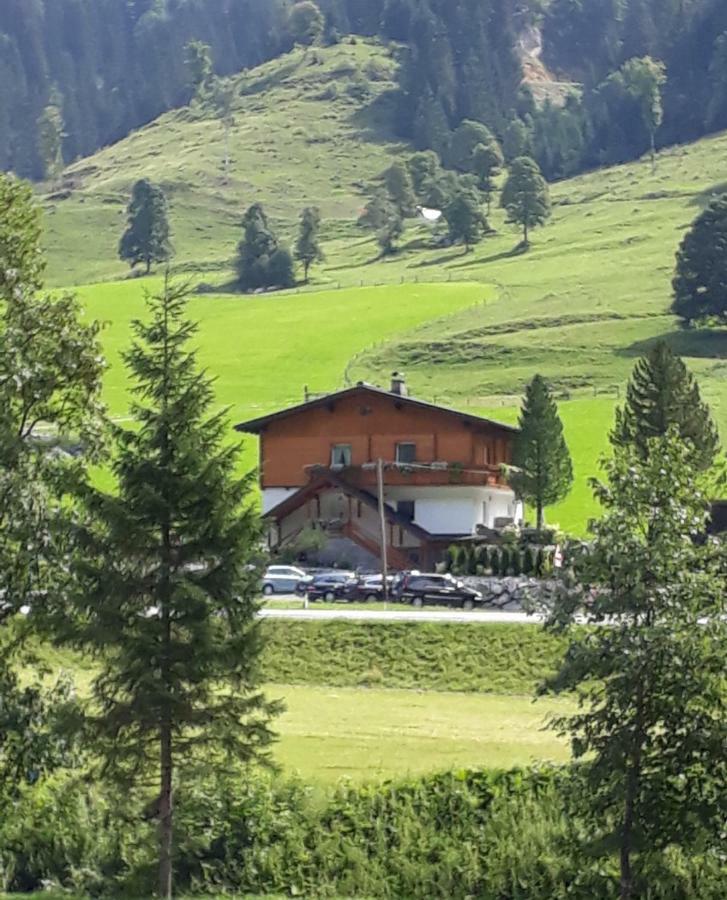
(443, 590)
(370, 587)
(282, 579)
(330, 586)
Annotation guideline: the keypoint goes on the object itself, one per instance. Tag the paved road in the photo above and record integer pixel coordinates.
(400, 615)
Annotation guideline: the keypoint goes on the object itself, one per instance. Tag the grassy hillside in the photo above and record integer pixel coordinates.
(591, 295)
(311, 127)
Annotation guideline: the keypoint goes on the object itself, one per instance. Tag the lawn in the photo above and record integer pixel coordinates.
(329, 733)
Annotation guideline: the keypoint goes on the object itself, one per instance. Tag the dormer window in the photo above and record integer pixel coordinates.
(340, 456)
(406, 453)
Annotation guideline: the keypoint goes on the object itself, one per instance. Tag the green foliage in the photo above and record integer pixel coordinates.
(262, 261)
(146, 239)
(50, 140)
(308, 249)
(400, 190)
(305, 22)
(542, 468)
(383, 217)
(468, 136)
(168, 592)
(424, 167)
(198, 59)
(663, 394)
(700, 282)
(424, 656)
(487, 161)
(526, 196)
(652, 729)
(465, 218)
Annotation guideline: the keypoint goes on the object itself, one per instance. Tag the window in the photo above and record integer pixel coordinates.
(407, 508)
(406, 453)
(340, 456)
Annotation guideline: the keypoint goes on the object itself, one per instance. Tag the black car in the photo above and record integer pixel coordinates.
(330, 586)
(369, 587)
(442, 590)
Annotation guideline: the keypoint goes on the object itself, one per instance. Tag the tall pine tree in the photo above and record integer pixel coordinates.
(663, 393)
(542, 468)
(526, 196)
(168, 598)
(308, 248)
(146, 239)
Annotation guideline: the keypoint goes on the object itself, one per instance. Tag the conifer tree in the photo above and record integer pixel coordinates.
(308, 249)
(465, 218)
(526, 196)
(542, 468)
(487, 161)
(262, 261)
(50, 138)
(146, 239)
(662, 394)
(168, 596)
(198, 60)
(700, 281)
(400, 189)
(384, 218)
(423, 167)
(650, 732)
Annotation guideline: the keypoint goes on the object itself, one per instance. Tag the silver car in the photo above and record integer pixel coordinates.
(282, 579)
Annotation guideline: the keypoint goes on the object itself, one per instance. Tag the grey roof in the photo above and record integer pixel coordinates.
(255, 426)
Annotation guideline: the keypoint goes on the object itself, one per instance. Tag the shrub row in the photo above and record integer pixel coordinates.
(496, 836)
(503, 659)
(494, 559)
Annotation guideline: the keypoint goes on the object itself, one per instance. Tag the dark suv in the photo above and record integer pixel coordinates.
(442, 590)
(330, 586)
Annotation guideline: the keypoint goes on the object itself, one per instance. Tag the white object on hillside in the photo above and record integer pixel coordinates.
(430, 216)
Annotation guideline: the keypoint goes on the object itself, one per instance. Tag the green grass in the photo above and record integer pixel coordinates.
(328, 733)
(590, 296)
(436, 656)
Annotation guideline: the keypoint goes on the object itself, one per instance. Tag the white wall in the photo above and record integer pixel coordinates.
(456, 509)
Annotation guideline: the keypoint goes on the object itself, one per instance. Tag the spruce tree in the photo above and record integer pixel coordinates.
(542, 468)
(261, 261)
(700, 282)
(526, 196)
(465, 218)
(146, 239)
(168, 596)
(400, 189)
(663, 393)
(384, 218)
(487, 161)
(308, 249)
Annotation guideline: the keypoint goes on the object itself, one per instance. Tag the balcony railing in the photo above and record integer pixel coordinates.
(418, 474)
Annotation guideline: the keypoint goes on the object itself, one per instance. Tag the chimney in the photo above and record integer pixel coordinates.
(398, 384)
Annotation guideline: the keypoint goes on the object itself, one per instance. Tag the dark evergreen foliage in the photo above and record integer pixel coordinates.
(663, 394)
(465, 218)
(526, 196)
(543, 471)
(262, 262)
(146, 240)
(308, 249)
(169, 584)
(700, 282)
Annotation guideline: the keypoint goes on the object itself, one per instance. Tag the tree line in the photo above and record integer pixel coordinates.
(78, 74)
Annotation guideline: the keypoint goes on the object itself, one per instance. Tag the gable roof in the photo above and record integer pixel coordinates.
(255, 426)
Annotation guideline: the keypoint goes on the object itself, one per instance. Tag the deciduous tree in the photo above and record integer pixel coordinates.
(649, 672)
(399, 187)
(644, 79)
(487, 161)
(146, 239)
(384, 218)
(168, 597)
(198, 59)
(526, 196)
(308, 249)
(700, 281)
(663, 394)
(542, 471)
(50, 139)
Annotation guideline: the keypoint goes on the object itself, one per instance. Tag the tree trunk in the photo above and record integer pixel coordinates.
(148, 265)
(227, 154)
(306, 267)
(632, 785)
(525, 233)
(540, 520)
(653, 152)
(166, 806)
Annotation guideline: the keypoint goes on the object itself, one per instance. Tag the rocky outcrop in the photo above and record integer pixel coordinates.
(516, 593)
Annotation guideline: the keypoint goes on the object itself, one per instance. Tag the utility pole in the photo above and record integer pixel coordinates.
(382, 517)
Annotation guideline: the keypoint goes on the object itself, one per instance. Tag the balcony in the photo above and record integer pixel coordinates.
(419, 474)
